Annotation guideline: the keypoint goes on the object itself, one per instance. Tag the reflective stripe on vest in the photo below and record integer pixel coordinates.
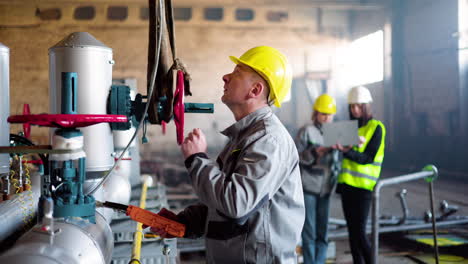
(359, 175)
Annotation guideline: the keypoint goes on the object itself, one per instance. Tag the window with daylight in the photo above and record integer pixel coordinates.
(364, 59)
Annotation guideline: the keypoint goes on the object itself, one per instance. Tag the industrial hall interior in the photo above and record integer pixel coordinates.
(233, 131)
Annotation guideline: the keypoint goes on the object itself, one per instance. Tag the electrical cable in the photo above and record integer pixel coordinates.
(26, 198)
(26, 142)
(153, 80)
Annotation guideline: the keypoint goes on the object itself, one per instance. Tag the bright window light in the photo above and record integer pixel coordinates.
(363, 60)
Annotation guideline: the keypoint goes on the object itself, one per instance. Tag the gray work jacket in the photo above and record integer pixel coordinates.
(252, 204)
(319, 176)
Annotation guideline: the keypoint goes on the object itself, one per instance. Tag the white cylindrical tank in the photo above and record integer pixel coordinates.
(80, 52)
(4, 106)
(75, 241)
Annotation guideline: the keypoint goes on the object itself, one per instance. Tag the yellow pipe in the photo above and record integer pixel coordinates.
(138, 236)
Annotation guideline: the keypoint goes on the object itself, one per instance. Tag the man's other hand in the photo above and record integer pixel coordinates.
(321, 151)
(160, 232)
(195, 142)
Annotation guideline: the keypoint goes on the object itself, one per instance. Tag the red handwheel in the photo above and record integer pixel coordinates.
(26, 126)
(179, 108)
(65, 120)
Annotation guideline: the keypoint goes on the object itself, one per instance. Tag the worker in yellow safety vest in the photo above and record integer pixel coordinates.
(360, 171)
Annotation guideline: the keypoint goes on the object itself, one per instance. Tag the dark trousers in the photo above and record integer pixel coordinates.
(356, 203)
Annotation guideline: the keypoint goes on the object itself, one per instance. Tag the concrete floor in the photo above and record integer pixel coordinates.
(390, 252)
(454, 192)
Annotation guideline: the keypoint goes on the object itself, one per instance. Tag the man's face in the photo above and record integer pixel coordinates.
(237, 85)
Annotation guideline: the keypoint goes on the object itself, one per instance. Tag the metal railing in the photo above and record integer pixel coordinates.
(430, 174)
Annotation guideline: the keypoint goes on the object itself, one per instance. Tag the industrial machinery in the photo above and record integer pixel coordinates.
(94, 124)
(66, 211)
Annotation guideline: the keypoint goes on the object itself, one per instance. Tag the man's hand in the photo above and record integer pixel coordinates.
(341, 148)
(160, 232)
(195, 142)
(321, 151)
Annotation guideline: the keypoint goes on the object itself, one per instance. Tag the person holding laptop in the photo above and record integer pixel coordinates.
(319, 167)
(360, 171)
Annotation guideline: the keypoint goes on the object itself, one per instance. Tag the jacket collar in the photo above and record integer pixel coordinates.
(245, 122)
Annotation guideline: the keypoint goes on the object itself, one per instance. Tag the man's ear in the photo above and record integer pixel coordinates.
(257, 89)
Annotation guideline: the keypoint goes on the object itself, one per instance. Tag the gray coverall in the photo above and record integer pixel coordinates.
(251, 201)
(318, 177)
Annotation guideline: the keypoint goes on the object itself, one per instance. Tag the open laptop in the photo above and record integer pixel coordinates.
(343, 132)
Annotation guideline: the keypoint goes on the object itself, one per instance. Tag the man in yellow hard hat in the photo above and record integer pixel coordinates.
(251, 206)
(319, 170)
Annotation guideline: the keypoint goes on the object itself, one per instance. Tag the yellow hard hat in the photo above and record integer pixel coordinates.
(325, 104)
(273, 66)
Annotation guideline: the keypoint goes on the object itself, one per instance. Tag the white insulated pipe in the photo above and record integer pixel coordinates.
(4, 106)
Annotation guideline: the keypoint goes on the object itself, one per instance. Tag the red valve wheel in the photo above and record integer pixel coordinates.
(66, 120)
(26, 126)
(179, 108)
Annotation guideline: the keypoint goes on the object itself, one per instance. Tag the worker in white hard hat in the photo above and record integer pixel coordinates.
(319, 171)
(360, 172)
(251, 206)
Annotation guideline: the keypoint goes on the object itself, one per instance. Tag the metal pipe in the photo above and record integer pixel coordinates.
(434, 228)
(446, 210)
(389, 229)
(73, 240)
(404, 206)
(18, 212)
(428, 172)
(4, 106)
(336, 221)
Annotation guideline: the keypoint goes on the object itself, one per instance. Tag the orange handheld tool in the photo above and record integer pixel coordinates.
(149, 218)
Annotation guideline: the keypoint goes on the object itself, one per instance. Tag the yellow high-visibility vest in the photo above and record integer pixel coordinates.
(359, 175)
